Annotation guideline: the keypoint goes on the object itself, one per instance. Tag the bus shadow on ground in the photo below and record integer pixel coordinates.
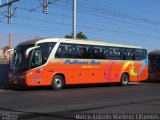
(4, 81)
(71, 87)
(68, 87)
(92, 85)
(151, 81)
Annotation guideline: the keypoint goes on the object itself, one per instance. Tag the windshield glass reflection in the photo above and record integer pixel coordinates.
(19, 62)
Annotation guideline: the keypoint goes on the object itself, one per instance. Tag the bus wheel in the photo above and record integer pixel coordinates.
(124, 80)
(57, 82)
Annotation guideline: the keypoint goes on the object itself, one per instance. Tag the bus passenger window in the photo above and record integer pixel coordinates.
(143, 54)
(133, 56)
(84, 53)
(112, 54)
(137, 55)
(46, 50)
(91, 52)
(97, 54)
(106, 53)
(59, 53)
(37, 58)
(129, 54)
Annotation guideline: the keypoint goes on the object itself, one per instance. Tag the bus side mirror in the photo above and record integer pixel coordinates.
(6, 53)
(29, 50)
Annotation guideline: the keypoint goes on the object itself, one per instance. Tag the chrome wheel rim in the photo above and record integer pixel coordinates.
(57, 82)
(125, 80)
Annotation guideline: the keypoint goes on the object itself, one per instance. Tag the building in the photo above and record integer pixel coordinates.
(1, 53)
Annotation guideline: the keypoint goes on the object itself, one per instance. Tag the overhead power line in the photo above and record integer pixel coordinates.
(102, 28)
(113, 21)
(10, 9)
(117, 13)
(8, 3)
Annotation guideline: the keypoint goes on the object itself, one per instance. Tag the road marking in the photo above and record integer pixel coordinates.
(2, 91)
(136, 83)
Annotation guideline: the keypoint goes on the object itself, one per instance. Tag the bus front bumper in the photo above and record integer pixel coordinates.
(17, 81)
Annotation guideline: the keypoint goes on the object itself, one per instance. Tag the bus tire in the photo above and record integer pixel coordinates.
(57, 82)
(124, 79)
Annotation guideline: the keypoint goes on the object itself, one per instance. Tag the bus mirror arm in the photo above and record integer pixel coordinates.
(29, 50)
(6, 53)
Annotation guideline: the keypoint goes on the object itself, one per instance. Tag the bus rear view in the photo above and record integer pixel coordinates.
(154, 65)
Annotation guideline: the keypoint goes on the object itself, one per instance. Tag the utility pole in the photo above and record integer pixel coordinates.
(10, 9)
(10, 45)
(10, 13)
(74, 19)
(8, 3)
(45, 6)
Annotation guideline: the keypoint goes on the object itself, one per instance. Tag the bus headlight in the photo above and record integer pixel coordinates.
(26, 75)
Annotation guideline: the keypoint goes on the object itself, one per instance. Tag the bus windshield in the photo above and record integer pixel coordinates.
(19, 62)
(154, 65)
(36, 57)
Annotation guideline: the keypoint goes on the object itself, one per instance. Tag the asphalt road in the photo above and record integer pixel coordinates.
(73, 101)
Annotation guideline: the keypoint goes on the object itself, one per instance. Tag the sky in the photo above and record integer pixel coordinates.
(131, 22)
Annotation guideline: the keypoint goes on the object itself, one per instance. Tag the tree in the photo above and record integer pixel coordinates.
(79, 35)
(5, 48)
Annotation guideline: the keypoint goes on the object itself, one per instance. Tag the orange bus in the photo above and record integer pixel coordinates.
(154, 65)
(58, 62)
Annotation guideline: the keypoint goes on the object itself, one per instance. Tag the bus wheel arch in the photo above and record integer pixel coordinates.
(58, 81)
(125, 78)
